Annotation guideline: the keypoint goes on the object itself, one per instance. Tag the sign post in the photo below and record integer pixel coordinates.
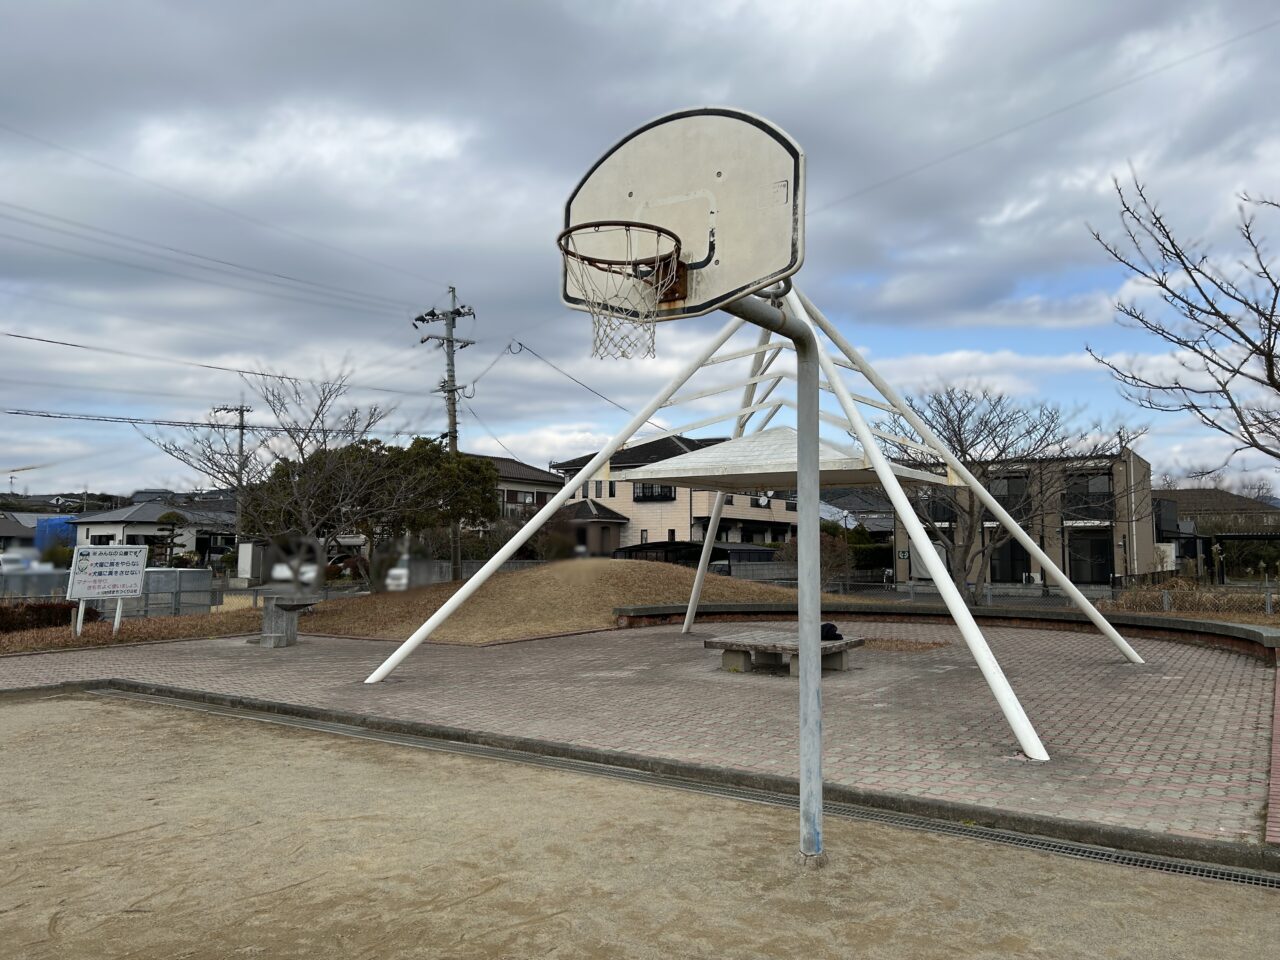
(102, 573)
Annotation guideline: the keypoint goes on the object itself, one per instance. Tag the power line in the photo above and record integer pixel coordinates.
(269, 276)
(186, 276)
(219, 334)
(97, 348)
(588, 387)
(1065, 108)
(485, 426)
(201, 424)
(193, 198)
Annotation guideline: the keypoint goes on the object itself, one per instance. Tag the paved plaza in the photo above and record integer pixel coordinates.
(1181, 745)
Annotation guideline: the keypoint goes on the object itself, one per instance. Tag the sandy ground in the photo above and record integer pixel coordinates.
(149, 832)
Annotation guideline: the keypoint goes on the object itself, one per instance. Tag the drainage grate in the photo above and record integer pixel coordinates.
(1066, 848)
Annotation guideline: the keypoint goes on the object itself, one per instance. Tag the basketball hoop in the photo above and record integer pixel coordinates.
(624, 272)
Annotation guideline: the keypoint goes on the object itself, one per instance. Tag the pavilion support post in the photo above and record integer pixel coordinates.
(928, 436)
(1016, 717)
(470, 586)
(758, 365)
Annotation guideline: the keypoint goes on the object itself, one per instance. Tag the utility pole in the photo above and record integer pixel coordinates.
(449, 387)
(240, 409)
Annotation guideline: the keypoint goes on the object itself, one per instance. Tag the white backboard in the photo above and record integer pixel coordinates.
(728, 183)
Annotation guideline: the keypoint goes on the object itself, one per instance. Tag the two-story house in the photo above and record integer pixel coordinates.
(1094, 516)
(610, 511)
(521, 488)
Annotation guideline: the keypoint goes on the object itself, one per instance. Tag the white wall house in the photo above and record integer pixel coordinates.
(201, 533)
(617, 512)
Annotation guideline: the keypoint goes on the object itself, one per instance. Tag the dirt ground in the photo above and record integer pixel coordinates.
(150, 832)
(543, 601)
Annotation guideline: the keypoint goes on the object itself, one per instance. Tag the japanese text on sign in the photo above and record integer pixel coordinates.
(103, 572)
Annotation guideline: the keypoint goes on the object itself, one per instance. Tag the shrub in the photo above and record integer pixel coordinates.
(32, 616)
(59, 555)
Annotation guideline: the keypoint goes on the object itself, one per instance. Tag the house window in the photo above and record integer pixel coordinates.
(644, 536)
(599, 488)
(613, 488)
(542, 498)
(652, 491)
(671, 535)
(525, 497)
(586, 484)
(101, 540)
(728, 500)
(791, 506)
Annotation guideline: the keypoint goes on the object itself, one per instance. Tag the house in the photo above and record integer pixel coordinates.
(14, 534)
(200, 532)
(521, 488)
(1197, 520)
(1214, 511)
(866, 507)
(609, 511)
(1093, 516)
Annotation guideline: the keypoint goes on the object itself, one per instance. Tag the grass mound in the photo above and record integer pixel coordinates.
(563, 597)
(555, 598)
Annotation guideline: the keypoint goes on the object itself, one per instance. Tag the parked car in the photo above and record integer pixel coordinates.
(398, 578)
(283, 573)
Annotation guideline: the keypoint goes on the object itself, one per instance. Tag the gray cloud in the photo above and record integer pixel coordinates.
(440, 140)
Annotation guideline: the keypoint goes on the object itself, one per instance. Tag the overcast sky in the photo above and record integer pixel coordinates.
(385, 151)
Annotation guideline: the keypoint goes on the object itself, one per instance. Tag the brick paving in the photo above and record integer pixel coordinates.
(1182, 745)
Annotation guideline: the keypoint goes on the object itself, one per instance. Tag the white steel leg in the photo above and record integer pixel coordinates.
(758, 364)
(555, 503)
(1016, 717)
(115, 624)
(1047, 565)
(80, 619)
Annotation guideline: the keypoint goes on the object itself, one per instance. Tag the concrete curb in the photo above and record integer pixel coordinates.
(1219, 852)
(1259, 642)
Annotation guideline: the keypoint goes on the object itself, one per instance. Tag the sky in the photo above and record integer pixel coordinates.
(284, 186)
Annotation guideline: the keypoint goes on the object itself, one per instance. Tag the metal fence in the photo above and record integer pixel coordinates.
(165, 592)
(424, 572)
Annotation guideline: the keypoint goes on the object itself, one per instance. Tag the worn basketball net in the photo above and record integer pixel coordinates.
(624, 272)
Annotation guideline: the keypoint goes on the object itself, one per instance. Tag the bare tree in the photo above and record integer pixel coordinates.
(1032, 458)
(306, 471)
(1218, 317)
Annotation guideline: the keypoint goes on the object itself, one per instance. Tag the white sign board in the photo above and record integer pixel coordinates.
(102, 572)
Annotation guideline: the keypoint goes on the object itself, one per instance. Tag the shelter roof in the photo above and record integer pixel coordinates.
(643, 453)
(764, 461)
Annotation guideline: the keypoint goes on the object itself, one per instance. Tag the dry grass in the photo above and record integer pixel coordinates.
(133, 630)
(556, 598)
(1195, 601)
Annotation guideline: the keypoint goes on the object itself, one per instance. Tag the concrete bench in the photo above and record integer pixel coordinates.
(767, 648)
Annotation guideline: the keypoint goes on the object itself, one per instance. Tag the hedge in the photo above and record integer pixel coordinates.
(33, 616)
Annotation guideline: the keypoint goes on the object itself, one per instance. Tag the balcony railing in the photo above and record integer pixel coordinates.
(1088, 506)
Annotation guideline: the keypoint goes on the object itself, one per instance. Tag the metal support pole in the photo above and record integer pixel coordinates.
(809, 596)
(1016, 717)
(115, 624)
(555, 503)
(808, 572)
(1048, 566)
(717, 509)
(79, 619)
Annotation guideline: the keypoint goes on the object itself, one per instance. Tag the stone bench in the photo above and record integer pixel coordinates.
(280, 619)
(767, 648)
